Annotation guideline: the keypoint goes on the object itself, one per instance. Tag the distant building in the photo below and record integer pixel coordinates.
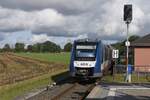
(141, 48)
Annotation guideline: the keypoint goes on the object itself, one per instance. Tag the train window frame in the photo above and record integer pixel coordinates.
(93, 58)
(92, 50)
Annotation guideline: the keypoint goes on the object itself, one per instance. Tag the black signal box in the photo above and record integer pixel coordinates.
(128, 13)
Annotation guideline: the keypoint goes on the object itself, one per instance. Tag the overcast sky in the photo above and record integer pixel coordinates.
(60, 21)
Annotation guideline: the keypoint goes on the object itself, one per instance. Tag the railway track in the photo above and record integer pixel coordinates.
(67, 90)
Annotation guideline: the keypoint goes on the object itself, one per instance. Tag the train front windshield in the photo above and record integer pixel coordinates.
(85, 52)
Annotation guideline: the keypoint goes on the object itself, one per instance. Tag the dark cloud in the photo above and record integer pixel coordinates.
(69, 18)
(70, 7)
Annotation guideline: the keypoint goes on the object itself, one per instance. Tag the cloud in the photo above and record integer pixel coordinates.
(63, 6)
(2, 36)
(16, 20)
(102, 19)
(39, 38)
(62, 40)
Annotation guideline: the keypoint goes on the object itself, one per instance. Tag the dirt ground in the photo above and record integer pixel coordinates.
(15, 68)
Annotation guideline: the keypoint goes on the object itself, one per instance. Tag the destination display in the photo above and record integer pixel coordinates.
(86, 47)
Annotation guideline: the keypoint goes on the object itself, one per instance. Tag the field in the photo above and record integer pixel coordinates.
(23, 72)
(51, 57)
(11, 91)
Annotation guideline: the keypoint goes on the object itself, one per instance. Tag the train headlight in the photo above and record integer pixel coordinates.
(76, 64)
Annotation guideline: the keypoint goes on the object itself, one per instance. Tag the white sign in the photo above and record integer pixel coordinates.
(127, 43)
(115, 53)
(84, 64)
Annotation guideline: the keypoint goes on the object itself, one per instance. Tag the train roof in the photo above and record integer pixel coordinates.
(87, 40)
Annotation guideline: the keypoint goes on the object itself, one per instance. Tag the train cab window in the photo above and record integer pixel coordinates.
(85, 52)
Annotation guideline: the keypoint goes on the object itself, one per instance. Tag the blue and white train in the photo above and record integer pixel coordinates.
(89, 58)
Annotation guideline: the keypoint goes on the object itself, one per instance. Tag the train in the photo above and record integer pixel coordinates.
(90, 58)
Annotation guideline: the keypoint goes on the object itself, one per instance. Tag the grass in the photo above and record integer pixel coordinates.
(52, 57)
(8, 92)
(120, 78)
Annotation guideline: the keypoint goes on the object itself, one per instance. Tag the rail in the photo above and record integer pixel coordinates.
(64, 92)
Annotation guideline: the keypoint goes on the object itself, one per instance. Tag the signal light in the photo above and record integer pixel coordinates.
(128, 13)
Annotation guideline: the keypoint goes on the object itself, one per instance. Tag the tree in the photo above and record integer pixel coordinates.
(121, 45)
(6, 48)
(122, 48)
(29, 48)
(19, 47)
(67, 47)
(49, 46)
(133, 38)
(37, 47)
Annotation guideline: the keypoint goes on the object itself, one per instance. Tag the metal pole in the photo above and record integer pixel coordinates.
(126, 79)
(127, 41)
(128, 74)
(115, 68)
(114, 65)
